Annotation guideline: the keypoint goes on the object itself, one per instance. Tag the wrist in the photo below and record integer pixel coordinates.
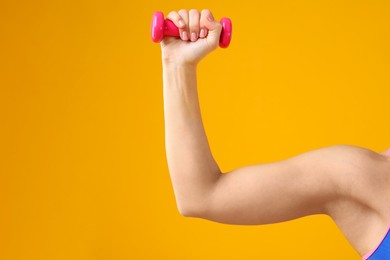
(175, 66)
(179, 76)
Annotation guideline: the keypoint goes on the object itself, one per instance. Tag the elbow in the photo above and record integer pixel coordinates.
(191, 210)
(188, 212)
(195, 204)
(185, 212)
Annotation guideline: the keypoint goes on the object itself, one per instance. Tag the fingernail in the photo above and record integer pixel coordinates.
(193, 36)
(201, 34)
(185, 36)
(210, 18)
(181, 23)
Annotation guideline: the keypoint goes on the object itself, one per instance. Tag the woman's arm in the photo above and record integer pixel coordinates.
(338, 181)
(255, 194)
(250, 195)
(348, 183)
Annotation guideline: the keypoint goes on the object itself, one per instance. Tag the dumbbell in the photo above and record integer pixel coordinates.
(161, 27)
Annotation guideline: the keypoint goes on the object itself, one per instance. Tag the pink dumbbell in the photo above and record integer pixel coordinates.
(161, 28)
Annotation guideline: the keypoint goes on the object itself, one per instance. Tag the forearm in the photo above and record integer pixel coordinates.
(192, 167)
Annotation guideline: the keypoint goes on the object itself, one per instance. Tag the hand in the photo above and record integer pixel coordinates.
(199, 35)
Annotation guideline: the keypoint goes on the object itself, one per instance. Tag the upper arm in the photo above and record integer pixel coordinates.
(278, 191)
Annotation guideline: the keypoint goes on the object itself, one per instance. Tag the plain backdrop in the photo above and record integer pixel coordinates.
(83, 172)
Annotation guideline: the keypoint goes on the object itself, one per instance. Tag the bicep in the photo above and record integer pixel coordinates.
(273, 192)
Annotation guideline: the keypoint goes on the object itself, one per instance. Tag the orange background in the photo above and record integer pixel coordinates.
(83, 172)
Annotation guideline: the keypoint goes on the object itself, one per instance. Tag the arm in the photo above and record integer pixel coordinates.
(312, 183)
(250, 195)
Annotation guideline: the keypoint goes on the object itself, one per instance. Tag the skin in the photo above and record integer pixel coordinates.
(350, 184)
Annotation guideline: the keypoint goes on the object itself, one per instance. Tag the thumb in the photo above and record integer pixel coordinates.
(215, 29)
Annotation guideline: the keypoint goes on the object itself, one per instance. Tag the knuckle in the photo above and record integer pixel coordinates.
(183, 12)
(194, 12)
(205, 11)
(172, 14)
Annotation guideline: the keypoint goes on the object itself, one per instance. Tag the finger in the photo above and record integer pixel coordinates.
(176, 19)
(184, 30)
(214, 30)
(214, 27)
(194, 24)
(203, 17)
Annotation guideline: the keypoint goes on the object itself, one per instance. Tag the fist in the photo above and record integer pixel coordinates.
(199, 35)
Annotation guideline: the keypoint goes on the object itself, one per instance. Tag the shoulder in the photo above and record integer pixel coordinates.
(363, 175)
(361, 209)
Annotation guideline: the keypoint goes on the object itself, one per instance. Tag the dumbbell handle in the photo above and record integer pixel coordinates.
(170, 29)
(164, 27)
